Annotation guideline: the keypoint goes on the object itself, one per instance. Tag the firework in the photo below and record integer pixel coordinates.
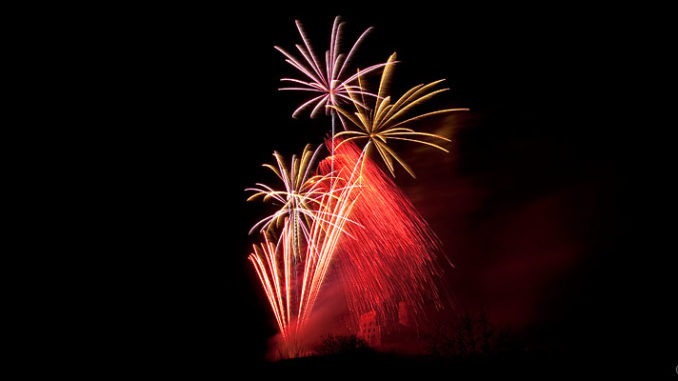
(327, 81)
(394, 255)
(298, 200)
(292, 298)
(385, 120)
(328, 228)
(265, 260)
(354, 216)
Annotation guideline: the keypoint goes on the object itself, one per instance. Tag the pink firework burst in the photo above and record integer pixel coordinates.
(329, 83)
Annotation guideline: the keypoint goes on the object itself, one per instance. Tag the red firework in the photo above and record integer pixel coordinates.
(390, 255)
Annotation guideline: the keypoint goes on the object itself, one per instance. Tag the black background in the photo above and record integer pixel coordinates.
(191, 110)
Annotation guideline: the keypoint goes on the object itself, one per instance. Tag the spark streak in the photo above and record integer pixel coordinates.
(394, 255)
(275, 264)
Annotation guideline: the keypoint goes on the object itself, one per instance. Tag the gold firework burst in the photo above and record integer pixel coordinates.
(385, 120)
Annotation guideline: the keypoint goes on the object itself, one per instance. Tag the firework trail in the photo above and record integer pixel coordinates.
(276, 266)
(394, 255)
(267, 265)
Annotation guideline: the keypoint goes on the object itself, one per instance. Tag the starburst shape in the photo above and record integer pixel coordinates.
(384, 121)
(301, 190)
(326, 79)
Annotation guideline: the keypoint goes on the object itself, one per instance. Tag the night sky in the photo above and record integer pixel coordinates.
(532, 204)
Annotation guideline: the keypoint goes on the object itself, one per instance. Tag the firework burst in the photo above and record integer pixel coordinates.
(300, 199)
(327, 81)
(385, 120)
(301, 190)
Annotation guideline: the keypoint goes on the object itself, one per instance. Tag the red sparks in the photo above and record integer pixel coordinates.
(384, 253)
(390, 255)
